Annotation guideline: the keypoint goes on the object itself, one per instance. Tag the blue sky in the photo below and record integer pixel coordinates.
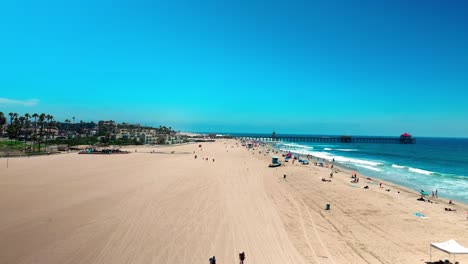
(321, 67)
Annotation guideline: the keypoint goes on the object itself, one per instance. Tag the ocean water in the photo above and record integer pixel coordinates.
(430, 164)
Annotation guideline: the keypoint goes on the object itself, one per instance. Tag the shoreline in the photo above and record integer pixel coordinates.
(349, 171)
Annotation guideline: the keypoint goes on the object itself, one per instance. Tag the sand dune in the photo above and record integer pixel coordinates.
(172, 208)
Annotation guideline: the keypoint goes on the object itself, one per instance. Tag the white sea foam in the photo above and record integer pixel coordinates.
(296, 146)
(368, 167)
(327, 149)
(357, 161)
(347, 150)
(322, 155)
(420, 171)
(328, 156)
(290, 145)
(305, 147)
(415, 170)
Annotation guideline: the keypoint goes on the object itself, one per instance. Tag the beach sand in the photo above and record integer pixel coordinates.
(168, 207)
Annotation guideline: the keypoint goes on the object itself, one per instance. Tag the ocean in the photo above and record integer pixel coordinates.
(430, 164)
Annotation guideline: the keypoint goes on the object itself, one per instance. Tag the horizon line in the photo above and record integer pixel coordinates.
(331, 135)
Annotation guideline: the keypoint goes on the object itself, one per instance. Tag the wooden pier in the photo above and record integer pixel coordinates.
(332, 139)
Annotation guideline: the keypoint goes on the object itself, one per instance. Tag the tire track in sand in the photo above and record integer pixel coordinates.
(350, 245)
(299, 208)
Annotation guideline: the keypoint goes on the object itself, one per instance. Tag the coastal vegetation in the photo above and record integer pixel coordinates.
(34, 133)
(93, 140)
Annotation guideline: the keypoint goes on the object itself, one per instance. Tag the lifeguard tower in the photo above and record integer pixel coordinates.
(274, 162)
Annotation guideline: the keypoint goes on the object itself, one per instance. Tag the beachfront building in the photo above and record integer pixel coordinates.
(122, 133)
(170, 139)
(144, 138)
(147, 136)
(93, 132)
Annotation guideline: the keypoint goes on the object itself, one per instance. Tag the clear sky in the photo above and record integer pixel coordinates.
(321, 67)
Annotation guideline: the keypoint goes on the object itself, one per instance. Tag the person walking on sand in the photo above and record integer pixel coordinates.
(241, 257)
(213, 260)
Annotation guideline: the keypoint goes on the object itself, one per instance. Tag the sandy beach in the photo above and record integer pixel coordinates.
(168, 207)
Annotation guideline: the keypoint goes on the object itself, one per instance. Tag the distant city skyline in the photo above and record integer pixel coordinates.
(319, 67)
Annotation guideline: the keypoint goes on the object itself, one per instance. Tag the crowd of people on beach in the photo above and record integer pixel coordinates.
(355, 179)
(203, 158)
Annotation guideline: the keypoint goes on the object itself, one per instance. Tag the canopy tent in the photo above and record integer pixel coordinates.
(450, 247)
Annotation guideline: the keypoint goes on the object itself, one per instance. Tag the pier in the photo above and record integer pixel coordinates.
(403, 139)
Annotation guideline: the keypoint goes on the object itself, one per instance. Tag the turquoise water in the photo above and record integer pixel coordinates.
(430, 164)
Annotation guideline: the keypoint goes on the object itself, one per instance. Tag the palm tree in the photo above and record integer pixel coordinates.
(74, 127)
(27, 116)
(17, 125)
(22, 122)
(12, 128)
(51, 124)
(42, 118)
(11, 117)
(67, 121)
(35, 116)
(20, 128)
(81, 127)
(49, 121)
(49, 118)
